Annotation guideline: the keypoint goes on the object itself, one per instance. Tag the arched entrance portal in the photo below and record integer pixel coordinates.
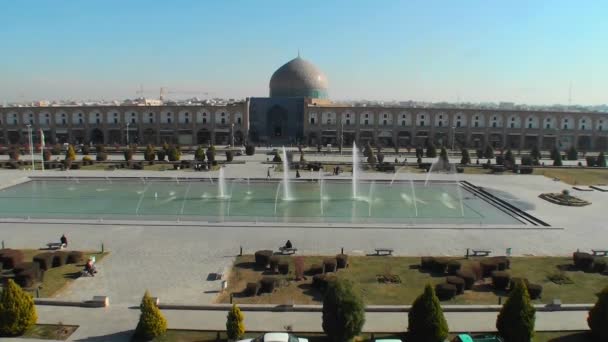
(277, 122)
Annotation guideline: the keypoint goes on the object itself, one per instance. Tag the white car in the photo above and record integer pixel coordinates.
(276, 337)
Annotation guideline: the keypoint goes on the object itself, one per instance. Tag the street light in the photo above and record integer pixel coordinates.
(453, 138)
(232, 135)
(128, 133)
(29, 131)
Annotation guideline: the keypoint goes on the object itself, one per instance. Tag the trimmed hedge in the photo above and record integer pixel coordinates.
(251, 289)
(75, 257)
(457, 282)
(262, 258)
(26, 278)
(11, 258)
(60, 258)
(267, 284)
(341, 260)
(453, 267)
(501, 280)
(283, 267)
(487, 267)
(583, 261)
(440, 265)
(321, 281)
(502, 262)
(315, 269)
(445, 291)
(45, 260)
(535, 291)
(599, 265)
(468, 277)
(426, 263)
(329, 265)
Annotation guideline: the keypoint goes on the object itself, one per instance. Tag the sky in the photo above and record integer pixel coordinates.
(523, 51)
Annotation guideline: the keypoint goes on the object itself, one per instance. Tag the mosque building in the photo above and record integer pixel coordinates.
(298, 110)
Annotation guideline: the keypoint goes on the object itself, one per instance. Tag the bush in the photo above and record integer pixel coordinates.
(128, 154)
(329, 265)
(426, 263)
(535, 154)
(267, 284)
(14, 154)
(425, 319)
(502, 262)
(476, 269)
(487, 267)
(583, 261)
(457, 282)
(229, 156)
(535, 291)
(283, 267)
(251, 289)
(515, 322)
(599, 265)
(453, 267)
(341, 260)
(501, 280)
(56, 150)
(601, 160)
(489, 152)
(211, 153)
(440, 265)
(262, 258)
(321, 281)
(151, 323)
(101, 156)
(526, 170)
(315, 269)
(299, 266)
(160, 155)
(479, 154)
(466, 158)
(591, 161)
(516, 280)
(45, 260)
(431, 151)
(572, 153)
(235, 323)
(249, 150)
(75, 257)
(11, 258)
(343, 312)
(468, 277)
(60, 258)
(17, 310)
(527, 160)
(70, 154)
(598, 317)
(26, 279)
(445, 291)
(173, 153)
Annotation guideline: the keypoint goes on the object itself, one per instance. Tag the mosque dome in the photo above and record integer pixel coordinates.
(298, 78)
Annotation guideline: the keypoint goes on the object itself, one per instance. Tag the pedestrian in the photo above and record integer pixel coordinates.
(268, 173)
(63, 240)
(297, 173)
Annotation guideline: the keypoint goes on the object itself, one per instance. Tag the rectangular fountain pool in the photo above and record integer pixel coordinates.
(255, 201)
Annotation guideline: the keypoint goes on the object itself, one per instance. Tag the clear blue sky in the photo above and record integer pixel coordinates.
(526, 51)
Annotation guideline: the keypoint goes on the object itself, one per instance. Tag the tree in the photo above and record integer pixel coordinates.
(489, 152)
(368, 150)
(343, 311)
(479, 153)
(17, 310)
(128, 153)
(14, 154)
(173, 153)
(426, 322)
(199, 154)
(249, 150)
(557, 159)
(235, 325)
(466, 158)
(70, 154)
(572, 153)
(149, 154)
(509, 158)
(535, 153)
(601, 160)
(443, 155)
(151, 323)
(210, 153)
(598, 317)
(431, 150)
(161, 154)
(554, 152)
(515, 321)
(419, 152)
(229, 156)
(277, 157)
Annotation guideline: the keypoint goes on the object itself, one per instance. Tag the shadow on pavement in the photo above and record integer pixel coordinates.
(115, 337)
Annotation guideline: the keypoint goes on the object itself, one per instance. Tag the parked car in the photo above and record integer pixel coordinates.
(276, 337)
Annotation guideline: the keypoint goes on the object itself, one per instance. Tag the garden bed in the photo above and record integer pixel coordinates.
(564, 199)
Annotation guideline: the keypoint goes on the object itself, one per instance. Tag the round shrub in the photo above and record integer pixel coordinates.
(341, 260)
(321, 281)
(251, 289)
(26, 278)
(426, 263)
(453, 267)
(274, 264)
(262, 258)
(501, 280)
(283, 267)
(445, 291)
(33, 266)
(329, 265)
(502, 262)
(315, 269)
(440, 265)
(457, 282)
(487, 267)
(535, 291)
(11, 258)
(468, 277)
(60, 258)
(249, 150)
(75, 257)
(267, 284)
(45, 260)
(582, 261)
(599, 265)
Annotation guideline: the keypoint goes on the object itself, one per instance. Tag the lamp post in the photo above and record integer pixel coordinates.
(453, 139)
(232, 135)
(128, 133)
(29, 132)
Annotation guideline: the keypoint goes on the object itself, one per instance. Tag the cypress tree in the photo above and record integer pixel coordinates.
(598, 317)
(557, 159)
(235, 325)
(149, 155)
(343, 312)
(70, 153)
(466, 158)
(210, 153)
(515, 322)
(572, 153)
(509, 158)
(489, 152)
(199, 154)
(17, 310)
(152, 323)
(431, 150)
(535, 153)
(601, 160)
(426, 322)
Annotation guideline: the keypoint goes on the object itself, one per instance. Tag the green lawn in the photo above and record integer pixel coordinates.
(576, 176)
(363, 270)
(57, 278)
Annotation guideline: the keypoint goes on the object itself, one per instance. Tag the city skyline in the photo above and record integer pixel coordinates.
(475, 52)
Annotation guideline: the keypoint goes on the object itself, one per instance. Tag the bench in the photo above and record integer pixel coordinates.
(478, 252)
(56, 245)
(600, 252)
(287, 250)
(384, 251)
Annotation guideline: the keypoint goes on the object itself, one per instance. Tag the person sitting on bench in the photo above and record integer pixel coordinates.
(64, 240)
(288, 244)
